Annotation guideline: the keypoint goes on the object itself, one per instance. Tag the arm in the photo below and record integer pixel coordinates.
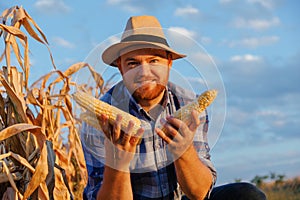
(193, 175)
(119, 152)
(116, 185)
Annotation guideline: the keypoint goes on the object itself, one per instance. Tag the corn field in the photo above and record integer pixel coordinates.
(35, 161)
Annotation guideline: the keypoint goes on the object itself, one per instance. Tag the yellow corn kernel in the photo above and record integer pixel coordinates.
(99, 107)
(199, 105)
(91, 119)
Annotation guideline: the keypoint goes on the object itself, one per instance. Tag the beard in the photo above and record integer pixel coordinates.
(148, 92)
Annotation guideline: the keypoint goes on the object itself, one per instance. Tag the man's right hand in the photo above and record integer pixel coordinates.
(120, 146)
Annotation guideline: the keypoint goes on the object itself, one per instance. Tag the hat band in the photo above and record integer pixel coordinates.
(146, 38)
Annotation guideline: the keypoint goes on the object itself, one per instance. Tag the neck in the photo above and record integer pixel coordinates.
(149, 104)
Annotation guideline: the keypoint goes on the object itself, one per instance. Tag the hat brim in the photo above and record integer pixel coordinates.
(112, 53)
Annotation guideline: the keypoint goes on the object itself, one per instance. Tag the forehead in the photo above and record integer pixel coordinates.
(145, 52)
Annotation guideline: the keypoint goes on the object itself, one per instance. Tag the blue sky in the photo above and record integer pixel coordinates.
(255, 48)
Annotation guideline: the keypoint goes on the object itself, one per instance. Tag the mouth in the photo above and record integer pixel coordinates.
(143, 82)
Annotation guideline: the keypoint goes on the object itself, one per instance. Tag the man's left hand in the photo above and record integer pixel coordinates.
(179, 135)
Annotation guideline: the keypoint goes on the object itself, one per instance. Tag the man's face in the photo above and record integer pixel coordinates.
(145, 72)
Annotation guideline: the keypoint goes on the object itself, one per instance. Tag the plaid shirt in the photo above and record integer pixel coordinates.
(152, 171)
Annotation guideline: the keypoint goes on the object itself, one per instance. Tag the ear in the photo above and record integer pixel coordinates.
(170, 61)
(118, 62)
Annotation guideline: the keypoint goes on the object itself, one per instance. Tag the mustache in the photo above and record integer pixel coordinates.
(142, 79)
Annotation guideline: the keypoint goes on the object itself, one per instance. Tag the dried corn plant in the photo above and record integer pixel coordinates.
(40, 149)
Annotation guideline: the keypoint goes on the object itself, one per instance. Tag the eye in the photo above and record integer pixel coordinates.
(132, 64)
(153, 61)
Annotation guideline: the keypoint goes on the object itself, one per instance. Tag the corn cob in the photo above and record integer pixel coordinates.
(98, 107)
(91, 119)
(200, 104)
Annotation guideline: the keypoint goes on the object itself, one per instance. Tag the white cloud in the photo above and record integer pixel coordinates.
(188, 10)
(269, 113)
(127, 5)
(205, 40)
(116, 1)
(202, 56)
(225, 1)
(182, 31)
(62, 42)
(132, 8)
(254, 42)
(256, 24)
(51, 6)
(245, 58)
(269, 4)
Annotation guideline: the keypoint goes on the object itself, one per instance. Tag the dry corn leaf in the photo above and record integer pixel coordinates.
(21, 17)
(22, 127)
(14, 31)
(48, 106)
(10, 40)
(17, 16)
(10, 194)
(2, 54)
(78, 66)
(31, 32)
(2, 109)
(32, 96)
(8, 13)
(97, 77)
(19, 103)
(43, 191)
(16, 50)
(71, 70)
(26, 23)
(39, 175)
(15, 79)
(36, 26)
(60, 189)
(10, 178)
(41, 82)
(19, 158)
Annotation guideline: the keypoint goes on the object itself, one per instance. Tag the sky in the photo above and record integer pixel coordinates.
(248, 49)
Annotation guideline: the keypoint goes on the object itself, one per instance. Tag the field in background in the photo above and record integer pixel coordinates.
(285, 190)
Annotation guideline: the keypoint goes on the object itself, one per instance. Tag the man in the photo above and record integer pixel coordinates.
(120, 166)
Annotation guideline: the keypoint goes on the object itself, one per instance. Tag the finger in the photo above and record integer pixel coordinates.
(139, 133)
(171, 132)
(195, 122)
(181, 126)
(134, 140)
(117, 128)
(128, 133)
(173, 126)
(163, 136)
(103, 121)
(176, 123)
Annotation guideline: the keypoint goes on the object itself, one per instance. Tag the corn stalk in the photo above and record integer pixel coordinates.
(40, 149)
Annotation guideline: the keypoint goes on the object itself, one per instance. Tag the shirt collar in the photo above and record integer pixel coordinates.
(166, 99)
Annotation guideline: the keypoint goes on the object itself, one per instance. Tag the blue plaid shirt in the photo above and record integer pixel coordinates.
(152, 171)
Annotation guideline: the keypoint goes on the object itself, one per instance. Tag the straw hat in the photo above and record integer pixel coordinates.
(140, 32)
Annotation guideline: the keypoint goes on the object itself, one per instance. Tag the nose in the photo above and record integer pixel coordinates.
(144, 69)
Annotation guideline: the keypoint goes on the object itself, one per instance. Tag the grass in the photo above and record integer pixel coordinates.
(282, 190)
